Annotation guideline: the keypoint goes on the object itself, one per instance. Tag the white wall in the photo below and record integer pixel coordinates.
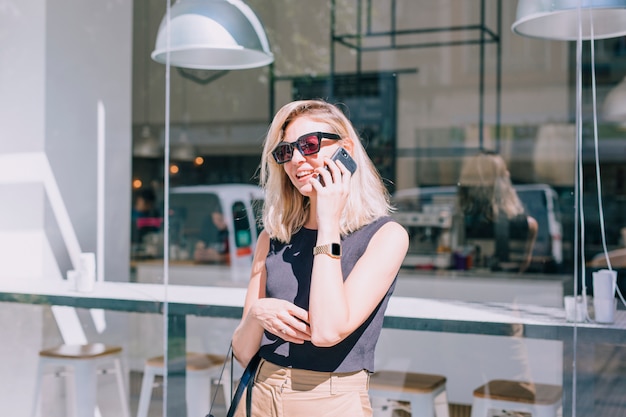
(59, 58)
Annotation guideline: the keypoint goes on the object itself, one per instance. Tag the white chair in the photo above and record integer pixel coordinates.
(425, 393)
(81, 364)
(201, 369)
(540, 400)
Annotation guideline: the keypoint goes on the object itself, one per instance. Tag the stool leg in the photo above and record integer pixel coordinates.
(479, 408)
(550, 410)
(483, 405)
(226, 387)
(198, 392)
(146, 391)
(85, 380)
(119, 375)
(442, 408)
(422, 406)
(37, 399)
(70, 392)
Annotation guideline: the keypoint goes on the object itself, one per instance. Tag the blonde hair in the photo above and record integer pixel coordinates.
(485, 187)
(286, 210)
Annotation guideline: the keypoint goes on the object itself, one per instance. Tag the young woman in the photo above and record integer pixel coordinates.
(324, 269)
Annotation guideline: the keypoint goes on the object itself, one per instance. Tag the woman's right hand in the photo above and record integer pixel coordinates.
(282, 318)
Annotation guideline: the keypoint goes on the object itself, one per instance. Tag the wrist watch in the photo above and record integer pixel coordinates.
(331, 249)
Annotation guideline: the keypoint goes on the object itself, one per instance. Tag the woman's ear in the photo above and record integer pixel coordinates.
(348, 145)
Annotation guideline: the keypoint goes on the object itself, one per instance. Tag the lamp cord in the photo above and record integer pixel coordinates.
(597, 159)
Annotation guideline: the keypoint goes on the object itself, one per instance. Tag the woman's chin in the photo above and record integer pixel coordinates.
(306, 189)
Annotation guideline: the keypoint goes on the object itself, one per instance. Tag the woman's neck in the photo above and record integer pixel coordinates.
(311, 222)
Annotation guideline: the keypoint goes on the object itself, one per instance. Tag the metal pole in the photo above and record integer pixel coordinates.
(481, 88)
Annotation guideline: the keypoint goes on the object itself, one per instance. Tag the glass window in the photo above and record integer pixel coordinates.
(485, 139)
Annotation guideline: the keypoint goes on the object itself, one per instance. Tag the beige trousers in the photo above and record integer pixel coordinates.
(286, 392)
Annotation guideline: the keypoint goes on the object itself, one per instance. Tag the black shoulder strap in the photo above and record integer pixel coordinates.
(246, 381)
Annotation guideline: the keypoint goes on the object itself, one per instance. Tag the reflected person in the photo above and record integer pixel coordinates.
(213, 243)
(491, 209)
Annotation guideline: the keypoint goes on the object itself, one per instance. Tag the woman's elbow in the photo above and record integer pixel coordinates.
(325, 339)
(242, 358)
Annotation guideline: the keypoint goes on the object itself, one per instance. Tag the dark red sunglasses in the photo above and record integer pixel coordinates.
(308, 144)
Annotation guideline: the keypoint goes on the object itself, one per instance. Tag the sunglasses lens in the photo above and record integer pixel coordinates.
(309, 144)
(282, 153)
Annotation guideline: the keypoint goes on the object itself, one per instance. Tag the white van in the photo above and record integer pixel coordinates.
(427, 214)
(193, 230)
(191, 209)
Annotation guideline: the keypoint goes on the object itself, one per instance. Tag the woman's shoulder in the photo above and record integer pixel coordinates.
(384, 221)
(392, 228)
(383, 231)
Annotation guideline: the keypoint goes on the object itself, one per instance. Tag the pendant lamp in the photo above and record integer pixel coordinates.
(212, 35)
(147, 145)
(558, 19)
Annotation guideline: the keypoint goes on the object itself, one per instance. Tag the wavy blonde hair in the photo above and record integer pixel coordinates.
(286, 210)
(485, 187)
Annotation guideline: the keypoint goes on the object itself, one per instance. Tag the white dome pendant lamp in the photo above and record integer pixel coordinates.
(558, 19)
(212, 35)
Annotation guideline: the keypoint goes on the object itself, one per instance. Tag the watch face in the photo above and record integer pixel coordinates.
(335, 249)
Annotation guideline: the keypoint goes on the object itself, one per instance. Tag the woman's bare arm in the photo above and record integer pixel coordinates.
(338, 308)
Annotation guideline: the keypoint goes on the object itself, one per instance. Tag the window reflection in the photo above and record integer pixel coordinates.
(495, 222)
(441, 239)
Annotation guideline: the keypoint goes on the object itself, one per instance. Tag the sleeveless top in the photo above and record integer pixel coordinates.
(289, 267)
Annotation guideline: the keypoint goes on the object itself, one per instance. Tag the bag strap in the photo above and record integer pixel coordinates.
(246, 381)
(229, 358)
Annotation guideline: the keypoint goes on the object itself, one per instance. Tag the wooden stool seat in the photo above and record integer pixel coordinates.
(523, 392)
(540, 400)
(194, 361)
(406, 381)
(89, 351)
(426, 393)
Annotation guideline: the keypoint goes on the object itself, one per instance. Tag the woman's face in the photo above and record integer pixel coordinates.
(302, 168)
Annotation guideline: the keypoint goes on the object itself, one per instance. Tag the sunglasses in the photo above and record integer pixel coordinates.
(308, 144)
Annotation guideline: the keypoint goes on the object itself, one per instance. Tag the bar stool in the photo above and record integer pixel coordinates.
(540, 400)
(201, 369)
(426, 393)
(81, 364)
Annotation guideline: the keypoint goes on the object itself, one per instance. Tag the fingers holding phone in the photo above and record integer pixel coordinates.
(344, 157)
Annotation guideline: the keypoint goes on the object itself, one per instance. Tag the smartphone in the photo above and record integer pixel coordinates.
(342, 155)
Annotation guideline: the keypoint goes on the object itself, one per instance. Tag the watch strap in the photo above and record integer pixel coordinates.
(331, 249)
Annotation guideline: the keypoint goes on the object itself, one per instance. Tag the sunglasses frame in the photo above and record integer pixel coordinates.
(296, 144)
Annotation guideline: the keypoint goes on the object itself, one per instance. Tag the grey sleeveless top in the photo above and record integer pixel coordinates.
(289, 267)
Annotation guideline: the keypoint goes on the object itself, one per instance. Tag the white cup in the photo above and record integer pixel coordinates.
(86, 279)
(574, 308)
(604, 309)
(604, 283)
(72, 277)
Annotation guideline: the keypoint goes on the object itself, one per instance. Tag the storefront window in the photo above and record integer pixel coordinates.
(154, 169)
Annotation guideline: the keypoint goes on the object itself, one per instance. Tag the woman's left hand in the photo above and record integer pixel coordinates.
(282, 318)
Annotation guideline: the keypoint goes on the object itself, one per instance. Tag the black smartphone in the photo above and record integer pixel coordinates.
(342, 155)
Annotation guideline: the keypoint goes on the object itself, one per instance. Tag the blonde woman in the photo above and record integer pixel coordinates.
(492, 209)
(324, 269)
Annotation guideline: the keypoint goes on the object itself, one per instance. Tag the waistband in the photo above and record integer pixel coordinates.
(304, 380)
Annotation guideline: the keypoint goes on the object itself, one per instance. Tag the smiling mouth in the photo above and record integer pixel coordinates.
(303, 174)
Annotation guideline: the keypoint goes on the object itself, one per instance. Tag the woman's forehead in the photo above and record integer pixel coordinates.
(303, 125)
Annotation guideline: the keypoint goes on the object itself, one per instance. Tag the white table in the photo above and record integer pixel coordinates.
(418, 314)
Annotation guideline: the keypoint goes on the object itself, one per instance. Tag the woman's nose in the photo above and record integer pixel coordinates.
(297, 156)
